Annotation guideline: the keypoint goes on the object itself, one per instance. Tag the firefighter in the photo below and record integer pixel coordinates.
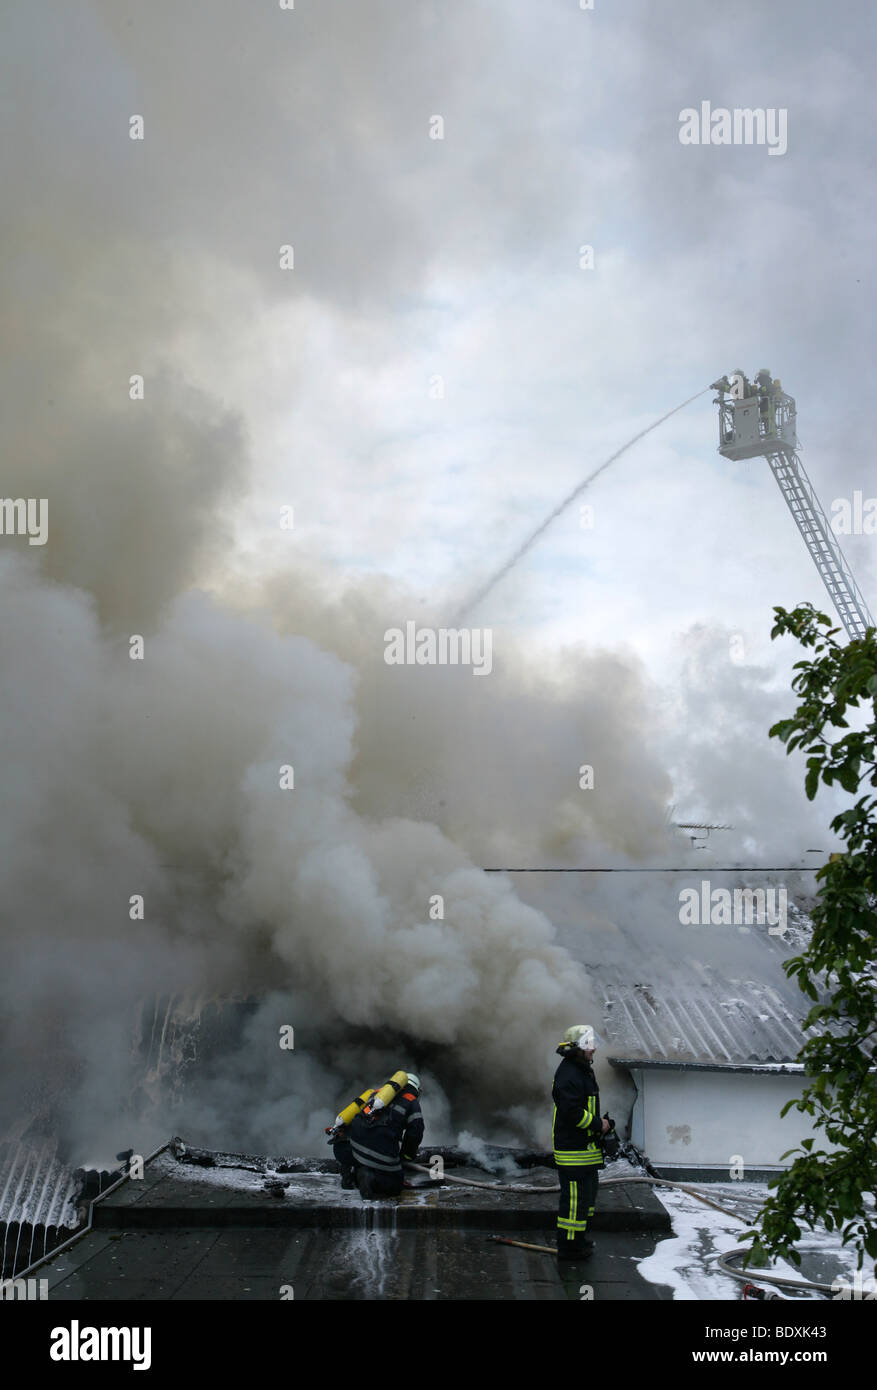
(576, 1132)
(745, 385)
(766, 389)
(379, 1141)
(344, 1157)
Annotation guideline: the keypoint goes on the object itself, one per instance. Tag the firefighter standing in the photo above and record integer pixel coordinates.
(576, 1132)
(765, 384)
(373, 1147)
(739, 378)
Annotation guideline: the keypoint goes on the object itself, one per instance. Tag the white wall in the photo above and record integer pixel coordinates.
(704, 1117)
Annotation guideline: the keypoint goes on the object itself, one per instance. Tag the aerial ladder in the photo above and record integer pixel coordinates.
(758, 419)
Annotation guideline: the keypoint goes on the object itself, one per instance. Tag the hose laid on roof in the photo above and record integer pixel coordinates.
(523, 1187)
(777, 1279)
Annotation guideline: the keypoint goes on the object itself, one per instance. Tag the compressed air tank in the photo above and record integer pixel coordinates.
(350, 1111)
(388, 1092)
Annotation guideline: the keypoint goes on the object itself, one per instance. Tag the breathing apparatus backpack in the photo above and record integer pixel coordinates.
(373, 1104)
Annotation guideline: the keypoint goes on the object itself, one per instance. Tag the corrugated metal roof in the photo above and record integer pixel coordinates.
(35, 1185)
(703, 1018)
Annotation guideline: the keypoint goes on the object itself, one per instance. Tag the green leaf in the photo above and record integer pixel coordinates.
(834, 970)
(849, 779)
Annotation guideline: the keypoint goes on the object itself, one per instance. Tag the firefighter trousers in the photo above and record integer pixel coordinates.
(578, 1196)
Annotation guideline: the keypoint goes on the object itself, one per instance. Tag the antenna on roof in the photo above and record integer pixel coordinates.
(699, 825)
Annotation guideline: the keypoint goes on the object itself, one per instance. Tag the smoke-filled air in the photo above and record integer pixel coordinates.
(223, 812)
(162, 778)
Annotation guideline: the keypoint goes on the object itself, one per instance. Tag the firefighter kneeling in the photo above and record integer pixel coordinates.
(385, 1131)
(576, 1133)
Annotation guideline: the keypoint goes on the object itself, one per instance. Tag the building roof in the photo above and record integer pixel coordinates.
(703, 1016)
(191, 1230)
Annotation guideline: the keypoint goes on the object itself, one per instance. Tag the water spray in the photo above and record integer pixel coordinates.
(531, 540)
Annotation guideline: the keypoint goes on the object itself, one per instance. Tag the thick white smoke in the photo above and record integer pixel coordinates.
(161, 777)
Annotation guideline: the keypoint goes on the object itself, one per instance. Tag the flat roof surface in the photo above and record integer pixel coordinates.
(242, 1263)
(215, 1233)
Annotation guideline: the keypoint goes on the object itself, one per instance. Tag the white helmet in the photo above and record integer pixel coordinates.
(581, 1035)
(414, 1081)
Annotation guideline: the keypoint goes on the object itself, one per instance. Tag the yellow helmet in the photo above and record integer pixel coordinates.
(580, 1035)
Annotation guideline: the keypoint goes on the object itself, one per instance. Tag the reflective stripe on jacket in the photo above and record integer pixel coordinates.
(577, 1122)
(381, 1141)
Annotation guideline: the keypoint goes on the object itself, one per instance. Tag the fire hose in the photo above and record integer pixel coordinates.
(536, 1188)
(780, 1281)
(605, 1142)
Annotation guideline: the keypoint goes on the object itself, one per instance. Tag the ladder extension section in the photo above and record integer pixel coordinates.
(820, 540)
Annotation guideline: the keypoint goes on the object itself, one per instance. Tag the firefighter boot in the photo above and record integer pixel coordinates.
(364, 1183)
(579, 1248)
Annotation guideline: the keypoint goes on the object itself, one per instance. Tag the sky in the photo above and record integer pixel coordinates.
(421, 378)
(419, 258)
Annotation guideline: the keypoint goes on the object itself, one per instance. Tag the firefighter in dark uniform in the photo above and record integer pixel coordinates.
(576, 1133)
(741, 386)
(765, 384)
(373, 1147)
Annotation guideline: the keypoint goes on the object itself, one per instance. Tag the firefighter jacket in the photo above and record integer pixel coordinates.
(380, 1141)
(577, 1122)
